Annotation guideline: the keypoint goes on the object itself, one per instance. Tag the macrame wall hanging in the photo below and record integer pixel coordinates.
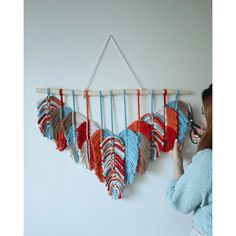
(115, 159)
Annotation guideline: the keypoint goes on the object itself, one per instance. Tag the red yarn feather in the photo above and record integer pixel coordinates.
(96, 153)
(171, 128)
(61, 140)
(142, 127)
(81, 134)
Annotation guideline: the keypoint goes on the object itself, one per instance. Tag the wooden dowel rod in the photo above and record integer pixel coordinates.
(115, 91)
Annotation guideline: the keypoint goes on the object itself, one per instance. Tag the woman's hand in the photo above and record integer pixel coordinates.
(176, 151)
(198, 134)
(177, 159)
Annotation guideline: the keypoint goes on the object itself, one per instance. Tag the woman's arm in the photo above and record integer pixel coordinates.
(177, 159)
(189, 187)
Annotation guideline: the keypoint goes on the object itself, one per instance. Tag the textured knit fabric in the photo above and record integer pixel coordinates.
(192, 192)
(194, 232)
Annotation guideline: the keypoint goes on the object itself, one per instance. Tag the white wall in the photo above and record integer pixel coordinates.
(168, 43)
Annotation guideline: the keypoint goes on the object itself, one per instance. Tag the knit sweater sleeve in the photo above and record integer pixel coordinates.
(190, 190)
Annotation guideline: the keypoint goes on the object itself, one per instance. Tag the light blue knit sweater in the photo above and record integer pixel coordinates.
(193, 191)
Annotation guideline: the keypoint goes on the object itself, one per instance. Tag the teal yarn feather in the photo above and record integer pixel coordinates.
(183, 122)
(70, 124)
(71, 140)
(131, 142)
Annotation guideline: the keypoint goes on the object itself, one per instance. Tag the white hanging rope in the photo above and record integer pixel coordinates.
(116, 91)
(100, 59)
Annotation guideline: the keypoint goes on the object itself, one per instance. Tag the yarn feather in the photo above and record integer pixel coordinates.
(183, 121)
(45, 108)
(96, 151)
(82, 130)
(144, 154)
(152, 120)
(71, 122)
(56, 122)
(170, 128)
(58, 127)
(131, 142)
(113, 153)
(143, 130)
(142, 127)
(85, 144)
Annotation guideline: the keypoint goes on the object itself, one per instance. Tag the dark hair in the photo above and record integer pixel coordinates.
(206, 140)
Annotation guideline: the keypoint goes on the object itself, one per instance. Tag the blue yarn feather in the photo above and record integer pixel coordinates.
(131, 142)
(106, 133)
(71, 139)
(182, 121)
(48, 132)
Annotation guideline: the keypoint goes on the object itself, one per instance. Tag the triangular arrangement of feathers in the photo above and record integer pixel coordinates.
(115, 159)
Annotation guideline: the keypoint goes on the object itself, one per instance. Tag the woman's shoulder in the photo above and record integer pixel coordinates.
(205, 154)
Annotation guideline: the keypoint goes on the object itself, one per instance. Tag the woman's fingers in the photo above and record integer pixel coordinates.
(196, 138)
(176, 145)
(176, 151)
(200, 131)
(181, 146)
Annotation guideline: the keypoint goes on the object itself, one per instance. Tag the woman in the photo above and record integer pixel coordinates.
(191, 189)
